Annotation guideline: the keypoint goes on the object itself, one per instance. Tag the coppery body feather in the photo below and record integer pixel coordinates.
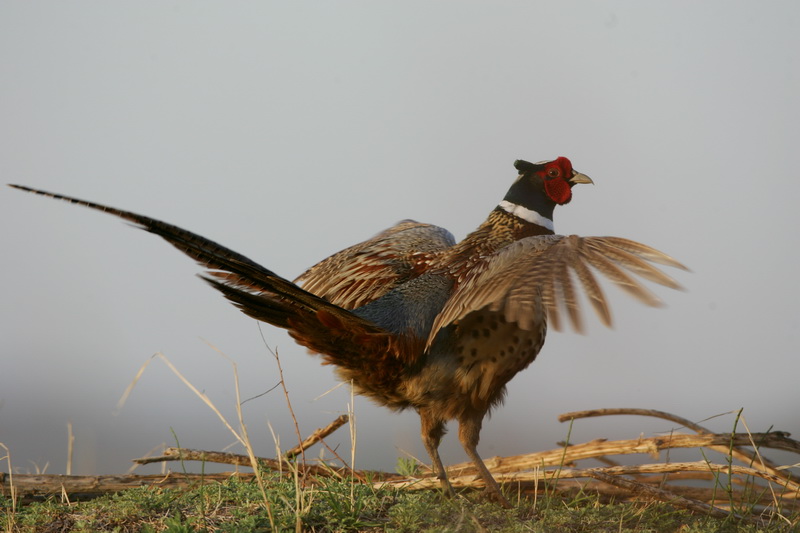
(419, 321)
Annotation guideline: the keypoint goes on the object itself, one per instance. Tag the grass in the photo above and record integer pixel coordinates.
(344, 506)
(274, 502)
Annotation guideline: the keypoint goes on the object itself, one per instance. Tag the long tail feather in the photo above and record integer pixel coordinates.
(255, 290)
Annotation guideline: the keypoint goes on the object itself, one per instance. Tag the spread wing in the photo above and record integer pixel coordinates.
(545, 268)
(366, 271)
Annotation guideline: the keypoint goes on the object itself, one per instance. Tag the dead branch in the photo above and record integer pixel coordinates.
(29, 486)
(743, 455)
(186, 454)
(590, 413)
(324, 470)
(651, 446)
(548, 470)
(792, 489)
(317, 436)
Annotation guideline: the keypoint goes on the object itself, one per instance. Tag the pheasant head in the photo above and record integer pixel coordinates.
(539, 188)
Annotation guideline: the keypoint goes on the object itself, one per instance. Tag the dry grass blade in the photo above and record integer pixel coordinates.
(241, 436)
(12, 489)
(70, 446)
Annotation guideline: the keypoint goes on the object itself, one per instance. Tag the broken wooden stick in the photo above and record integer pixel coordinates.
(317, 436)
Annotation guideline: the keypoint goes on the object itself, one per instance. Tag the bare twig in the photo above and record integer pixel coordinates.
(185, 454)
(33, 485)
(317, 436)
(590, 413)
(469, 480)
(285, 393)
(651, 445)
(740, 454)
(779, 488)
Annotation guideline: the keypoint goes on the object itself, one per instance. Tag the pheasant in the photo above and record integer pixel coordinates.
(415, 320)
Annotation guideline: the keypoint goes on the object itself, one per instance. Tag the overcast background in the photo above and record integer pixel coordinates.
(287, 131)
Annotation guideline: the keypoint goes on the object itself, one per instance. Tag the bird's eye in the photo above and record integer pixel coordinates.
(553, 173)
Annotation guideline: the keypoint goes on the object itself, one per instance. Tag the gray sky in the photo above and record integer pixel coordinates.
(287, 131)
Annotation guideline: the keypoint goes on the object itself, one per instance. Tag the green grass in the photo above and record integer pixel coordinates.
(346, 506)
(274, 503)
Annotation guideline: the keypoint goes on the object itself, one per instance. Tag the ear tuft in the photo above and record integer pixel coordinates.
(524, 166)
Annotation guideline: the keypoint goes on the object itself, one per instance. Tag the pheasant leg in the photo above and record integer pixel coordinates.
(432, 433)
(469, 433)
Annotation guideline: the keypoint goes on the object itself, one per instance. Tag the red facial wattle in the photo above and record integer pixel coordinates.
(558, 190)
(555, 179)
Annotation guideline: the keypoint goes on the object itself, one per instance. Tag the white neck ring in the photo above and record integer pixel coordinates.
(528, 215)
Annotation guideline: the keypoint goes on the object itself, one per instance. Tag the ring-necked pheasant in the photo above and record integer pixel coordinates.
(419, 321)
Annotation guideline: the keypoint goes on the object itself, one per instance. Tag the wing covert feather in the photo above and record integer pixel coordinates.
(366, 271)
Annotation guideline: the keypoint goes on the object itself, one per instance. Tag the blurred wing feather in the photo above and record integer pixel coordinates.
(642, 250)
(543, 270)
(593, 291)
(611, 271)
(569, 300)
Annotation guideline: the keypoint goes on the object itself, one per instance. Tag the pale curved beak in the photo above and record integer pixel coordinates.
(577, 177)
